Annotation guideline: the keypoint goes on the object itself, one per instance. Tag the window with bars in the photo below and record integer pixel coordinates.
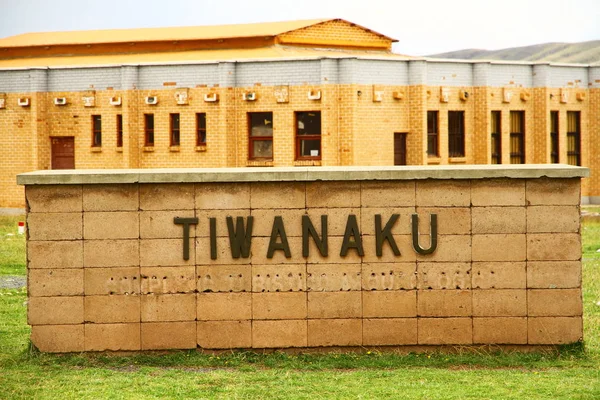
(433, 136)
(574, 137)
(308, 135)
(456, 133)
(149, 130)
(119, 130)
(496, 142)
(554, 137)
(260, 135)
(174, 128)
(96, 131)
(201, 129)
(517, 137)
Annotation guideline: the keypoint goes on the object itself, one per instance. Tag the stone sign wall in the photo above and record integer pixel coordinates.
(280, 258)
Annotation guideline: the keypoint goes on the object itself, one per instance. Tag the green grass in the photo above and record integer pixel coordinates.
(570, 372)
(12, 246)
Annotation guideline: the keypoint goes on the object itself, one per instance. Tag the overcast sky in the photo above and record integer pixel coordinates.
(421, 26)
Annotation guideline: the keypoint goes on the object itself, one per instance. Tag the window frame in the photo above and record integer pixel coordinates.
(433, 133)
(96, 131)
(149, 130)
(456, 138)
(496, 137)
(119, 130)
(200, 129)
(575, 138)
(300, 138)
(518, 137)
(253, 139)
(174, 129)
(554, 137)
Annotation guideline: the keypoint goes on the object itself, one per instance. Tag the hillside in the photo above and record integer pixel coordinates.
(583, 52)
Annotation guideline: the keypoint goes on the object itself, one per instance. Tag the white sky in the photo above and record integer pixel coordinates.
(421, 26)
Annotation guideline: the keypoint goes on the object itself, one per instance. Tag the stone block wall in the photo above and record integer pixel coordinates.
(107, 269)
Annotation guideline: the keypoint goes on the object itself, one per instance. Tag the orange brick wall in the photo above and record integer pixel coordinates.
(106, 272)
(355, 129)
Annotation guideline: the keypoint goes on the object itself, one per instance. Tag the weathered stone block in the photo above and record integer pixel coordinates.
(290, 305)
(334, 305)
(553, 246)
(58, 338)
(60, 198)
(546, 191)
(114, 337)
(499, 220)
(111, 253)
(444, 275)
(222, 196)
(225, 334)
(553, 274)
(272, 195)
(498, 275)
(444, 303)
(500, 303)
(167, 196)
(288, 333)
(161, 225)
(498, 192)
(389, 332)
(389, 276)
(499, 247)
(333, 194)
(554, 330)
(64, 310)
(279, 278)
(334, 332)
(451, 221)
(112, 281)
(333, 277)
(168, 307)
(160, 280)
(554, 302)
(55, 282)
(223, 278)
(111, 309)
(111, 225)
(450, 248)
(443, 193)
(54, 226)
(123, 197)
(445, 330)
(168, 335)
(224, 306)
(388, 194)
(500, 330)
(165, 252)
(552, 219)
(389, 304)
(55, 254)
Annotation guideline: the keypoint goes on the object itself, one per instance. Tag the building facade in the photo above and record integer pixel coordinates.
(301, 93)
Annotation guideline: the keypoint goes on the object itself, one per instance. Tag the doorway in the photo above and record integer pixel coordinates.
(63, 152)
(400, 148)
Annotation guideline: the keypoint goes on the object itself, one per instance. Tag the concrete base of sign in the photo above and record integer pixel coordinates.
(304, 258)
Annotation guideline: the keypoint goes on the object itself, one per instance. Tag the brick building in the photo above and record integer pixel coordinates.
(300, 93)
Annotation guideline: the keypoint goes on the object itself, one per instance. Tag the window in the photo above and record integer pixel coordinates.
(201, 129)
(496, 144)
(573, 137)
(517, 137)
(554, 137)
(174, 124)
(308, 135)
(119, 130)
(148, 130)
(96, 130)
(260, 137)
(456, 133)
(432, 134)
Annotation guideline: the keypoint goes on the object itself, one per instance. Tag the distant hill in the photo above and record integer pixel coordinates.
(583, 53)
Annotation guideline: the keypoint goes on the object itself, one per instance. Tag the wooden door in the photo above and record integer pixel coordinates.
(400, 148)
(63, 152)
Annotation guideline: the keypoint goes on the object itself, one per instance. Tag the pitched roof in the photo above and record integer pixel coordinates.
(214, 32)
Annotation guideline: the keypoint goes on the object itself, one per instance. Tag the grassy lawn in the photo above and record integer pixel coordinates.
(571, 372)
